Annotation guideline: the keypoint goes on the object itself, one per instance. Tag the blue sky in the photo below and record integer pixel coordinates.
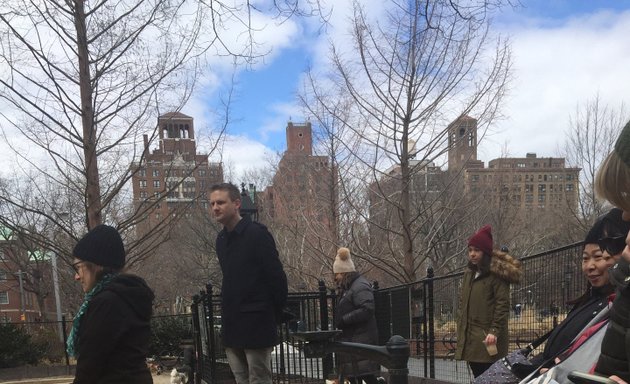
(565, 53)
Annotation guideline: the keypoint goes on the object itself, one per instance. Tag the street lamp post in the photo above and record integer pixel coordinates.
(22, 308)
(55, 276)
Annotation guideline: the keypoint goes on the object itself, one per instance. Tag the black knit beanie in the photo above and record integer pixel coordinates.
(614, 225)
(622, 146)
(103, 246)
(595, 233)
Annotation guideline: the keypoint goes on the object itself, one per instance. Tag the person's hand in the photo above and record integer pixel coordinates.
(490, 339)
(617, 379)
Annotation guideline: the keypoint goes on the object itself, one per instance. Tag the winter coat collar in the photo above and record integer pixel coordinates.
(506, 267)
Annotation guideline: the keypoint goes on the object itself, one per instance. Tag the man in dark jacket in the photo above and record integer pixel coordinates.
(254, 289)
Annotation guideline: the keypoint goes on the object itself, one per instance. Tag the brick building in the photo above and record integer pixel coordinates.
(530, 184)
(304, 184)
(173, 177)
(18, 301)
(301, 205)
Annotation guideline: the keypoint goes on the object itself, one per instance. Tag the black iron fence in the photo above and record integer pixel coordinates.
(424, 313)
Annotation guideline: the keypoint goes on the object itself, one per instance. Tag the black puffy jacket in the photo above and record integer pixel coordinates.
(354, 315)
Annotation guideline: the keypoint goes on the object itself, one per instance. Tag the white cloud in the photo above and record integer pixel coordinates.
(281, 114)
(558, 65)
(241, 153)
(556, 69)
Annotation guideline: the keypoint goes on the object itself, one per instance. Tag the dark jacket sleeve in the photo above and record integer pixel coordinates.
(100, 330)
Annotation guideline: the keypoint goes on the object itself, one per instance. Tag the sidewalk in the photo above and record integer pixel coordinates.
(164, 378)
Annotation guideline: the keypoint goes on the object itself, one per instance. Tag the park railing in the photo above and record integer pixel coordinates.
(423, 313)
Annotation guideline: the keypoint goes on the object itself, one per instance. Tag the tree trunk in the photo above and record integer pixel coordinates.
(92, 188)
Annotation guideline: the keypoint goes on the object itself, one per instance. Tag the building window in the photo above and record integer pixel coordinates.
(569, 177)
(156, 173)
(3, 275)
(143, 183)
(156, 183)
(4, 297)
(143, 194)
(142, 172)
(475, 178)
(569, 187)
(156, 195)
(542, 188)
(202, 173)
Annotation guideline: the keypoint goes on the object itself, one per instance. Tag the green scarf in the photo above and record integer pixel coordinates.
(71, 344)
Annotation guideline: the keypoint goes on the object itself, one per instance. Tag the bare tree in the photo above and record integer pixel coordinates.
(82, 82)
(408, 76)
(592, 132)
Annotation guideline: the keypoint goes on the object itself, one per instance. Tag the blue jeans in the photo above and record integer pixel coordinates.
(250, 366)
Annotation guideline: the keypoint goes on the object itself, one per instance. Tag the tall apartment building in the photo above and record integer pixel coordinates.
(304, 184)
(173, 177)
(301, 204)
(529, 183)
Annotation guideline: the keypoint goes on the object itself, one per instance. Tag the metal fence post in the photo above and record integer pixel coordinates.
(209, 324)
(65, 340)
(198, 369)
(431, 323)
(327, 362)
(398, 349)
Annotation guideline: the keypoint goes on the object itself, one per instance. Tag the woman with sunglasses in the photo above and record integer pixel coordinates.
(613, 183)
(111, 330)
(600, 251)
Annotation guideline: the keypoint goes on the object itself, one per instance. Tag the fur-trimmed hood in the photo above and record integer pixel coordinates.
(506, 267)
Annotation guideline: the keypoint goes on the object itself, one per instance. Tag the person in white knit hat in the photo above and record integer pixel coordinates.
(354, 316)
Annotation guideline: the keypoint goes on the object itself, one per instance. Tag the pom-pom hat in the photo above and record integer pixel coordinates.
(103, 246)
(482, 239)
(343, 262)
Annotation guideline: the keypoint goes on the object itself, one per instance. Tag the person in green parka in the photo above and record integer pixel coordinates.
(484, 306)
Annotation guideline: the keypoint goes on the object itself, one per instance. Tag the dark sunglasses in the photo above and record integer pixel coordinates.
(612, 245)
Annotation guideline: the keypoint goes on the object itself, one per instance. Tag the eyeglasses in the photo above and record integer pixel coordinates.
(76, 266)
(612, 245)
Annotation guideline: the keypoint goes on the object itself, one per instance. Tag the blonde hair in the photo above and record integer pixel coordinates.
(612, 181)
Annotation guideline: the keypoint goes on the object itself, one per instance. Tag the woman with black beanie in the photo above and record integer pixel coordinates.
(111, 331)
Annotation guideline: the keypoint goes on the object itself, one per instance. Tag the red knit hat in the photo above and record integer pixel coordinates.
(482, 239)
